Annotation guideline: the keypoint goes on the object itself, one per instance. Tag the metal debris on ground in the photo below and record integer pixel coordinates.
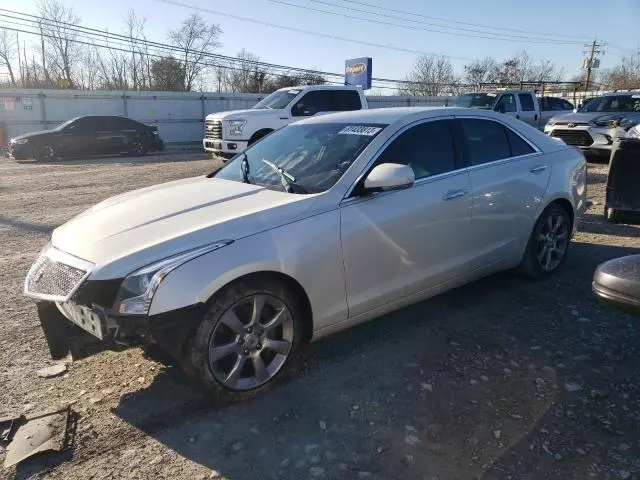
(54, 431)
(8, 427)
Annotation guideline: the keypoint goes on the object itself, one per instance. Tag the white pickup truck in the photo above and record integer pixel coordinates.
(228, 133)
(520, 104)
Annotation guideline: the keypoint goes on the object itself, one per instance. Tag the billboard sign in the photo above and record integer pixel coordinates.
(357, 71)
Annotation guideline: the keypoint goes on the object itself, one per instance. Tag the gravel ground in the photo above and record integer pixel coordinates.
(504, 378)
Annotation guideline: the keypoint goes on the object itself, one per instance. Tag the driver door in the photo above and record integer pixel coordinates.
(403, 242)
(507, 105)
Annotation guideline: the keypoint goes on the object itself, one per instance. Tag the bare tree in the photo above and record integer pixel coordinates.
(293, 79)
(625, 76)
(197, 40)
(168, 74)
(62, 52)
(482, 71)
(138, 64)
(431, 75)
(8, 52)
(245, 74)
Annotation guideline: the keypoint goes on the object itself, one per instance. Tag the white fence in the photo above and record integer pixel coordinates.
(179, 116)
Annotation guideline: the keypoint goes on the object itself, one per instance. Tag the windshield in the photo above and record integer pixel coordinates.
(315, 155)
(277, 100)
(476, 100)
(613, 103)
(66, 124)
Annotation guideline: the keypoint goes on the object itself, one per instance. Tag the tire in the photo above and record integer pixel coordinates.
(610, 214)
(258, 135)
(45, 153)
(138, 148)
(548, 244)
(248, 361)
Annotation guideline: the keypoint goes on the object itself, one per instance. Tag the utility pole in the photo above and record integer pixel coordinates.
(594, 46)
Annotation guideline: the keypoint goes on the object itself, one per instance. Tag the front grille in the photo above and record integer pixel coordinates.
(579, 138)
(576, 124)
(213, 129)
(49, 279)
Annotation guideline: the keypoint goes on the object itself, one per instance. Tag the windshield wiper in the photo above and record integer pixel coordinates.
(287, 180)
(244, 168)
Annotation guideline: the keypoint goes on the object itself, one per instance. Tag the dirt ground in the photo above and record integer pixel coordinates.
(502, 379)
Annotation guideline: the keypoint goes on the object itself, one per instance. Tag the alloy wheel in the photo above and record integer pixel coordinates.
(553, 241)
(251, 342)
(138, 147)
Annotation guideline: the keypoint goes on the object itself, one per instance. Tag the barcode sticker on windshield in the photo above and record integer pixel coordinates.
(360, 130)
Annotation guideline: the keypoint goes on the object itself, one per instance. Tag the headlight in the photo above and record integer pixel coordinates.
(236, 126)
(138, 288)
(19, 141)
(551, 122)
(634, 132)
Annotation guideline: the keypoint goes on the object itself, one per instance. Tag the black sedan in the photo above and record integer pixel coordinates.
(84, 136)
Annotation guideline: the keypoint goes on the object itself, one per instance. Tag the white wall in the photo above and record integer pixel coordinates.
(179, 116)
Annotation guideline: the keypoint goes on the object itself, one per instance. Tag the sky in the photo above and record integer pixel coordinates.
(614, 23)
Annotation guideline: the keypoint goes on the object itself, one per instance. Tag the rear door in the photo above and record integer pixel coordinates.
(509, 177)
(113, 137)
(528, 111)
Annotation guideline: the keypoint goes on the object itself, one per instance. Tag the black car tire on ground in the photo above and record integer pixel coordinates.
(138, 147)
(206, 371)
(531, 265)
(45, 153)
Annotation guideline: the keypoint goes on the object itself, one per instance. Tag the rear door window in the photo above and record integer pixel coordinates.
(344, 100)
(483, 141)
(526, 102)
(517, 144)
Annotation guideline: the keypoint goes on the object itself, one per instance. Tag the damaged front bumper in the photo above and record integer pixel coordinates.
(84, 331)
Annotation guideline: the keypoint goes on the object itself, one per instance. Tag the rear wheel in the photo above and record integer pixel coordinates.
(138, 147)
(548, 243)
(248, 340)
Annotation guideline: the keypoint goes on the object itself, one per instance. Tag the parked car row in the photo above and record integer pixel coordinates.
(88, 135)
(323, 224)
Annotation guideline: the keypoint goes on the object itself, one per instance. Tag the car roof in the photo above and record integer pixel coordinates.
(391, 115)
(321, 87)
(620, 93)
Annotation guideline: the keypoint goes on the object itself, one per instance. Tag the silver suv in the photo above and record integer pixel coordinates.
(595, 126)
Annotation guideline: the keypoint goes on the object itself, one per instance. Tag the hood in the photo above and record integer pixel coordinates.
(32, 134)
(237, 114)
(577, 117)
(131, 230)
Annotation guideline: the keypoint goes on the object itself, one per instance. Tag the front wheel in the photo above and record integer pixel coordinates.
(548, 243)
(45, 153)
(248, 340)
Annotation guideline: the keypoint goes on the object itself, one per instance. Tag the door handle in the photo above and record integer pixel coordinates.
(517, 117)
(535, 116)
(538, 169)
(453, 194)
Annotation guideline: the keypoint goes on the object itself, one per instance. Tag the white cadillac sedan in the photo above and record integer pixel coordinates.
(319, 226)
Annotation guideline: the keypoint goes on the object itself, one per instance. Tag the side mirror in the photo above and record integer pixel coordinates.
(499, 108)
(389, 176)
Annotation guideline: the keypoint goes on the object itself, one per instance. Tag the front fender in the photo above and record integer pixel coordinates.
(309, 251)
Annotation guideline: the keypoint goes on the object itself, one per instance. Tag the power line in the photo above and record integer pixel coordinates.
(408, 27)
(90, 37)
(308, 32)
(495, 36)
(492, 27)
